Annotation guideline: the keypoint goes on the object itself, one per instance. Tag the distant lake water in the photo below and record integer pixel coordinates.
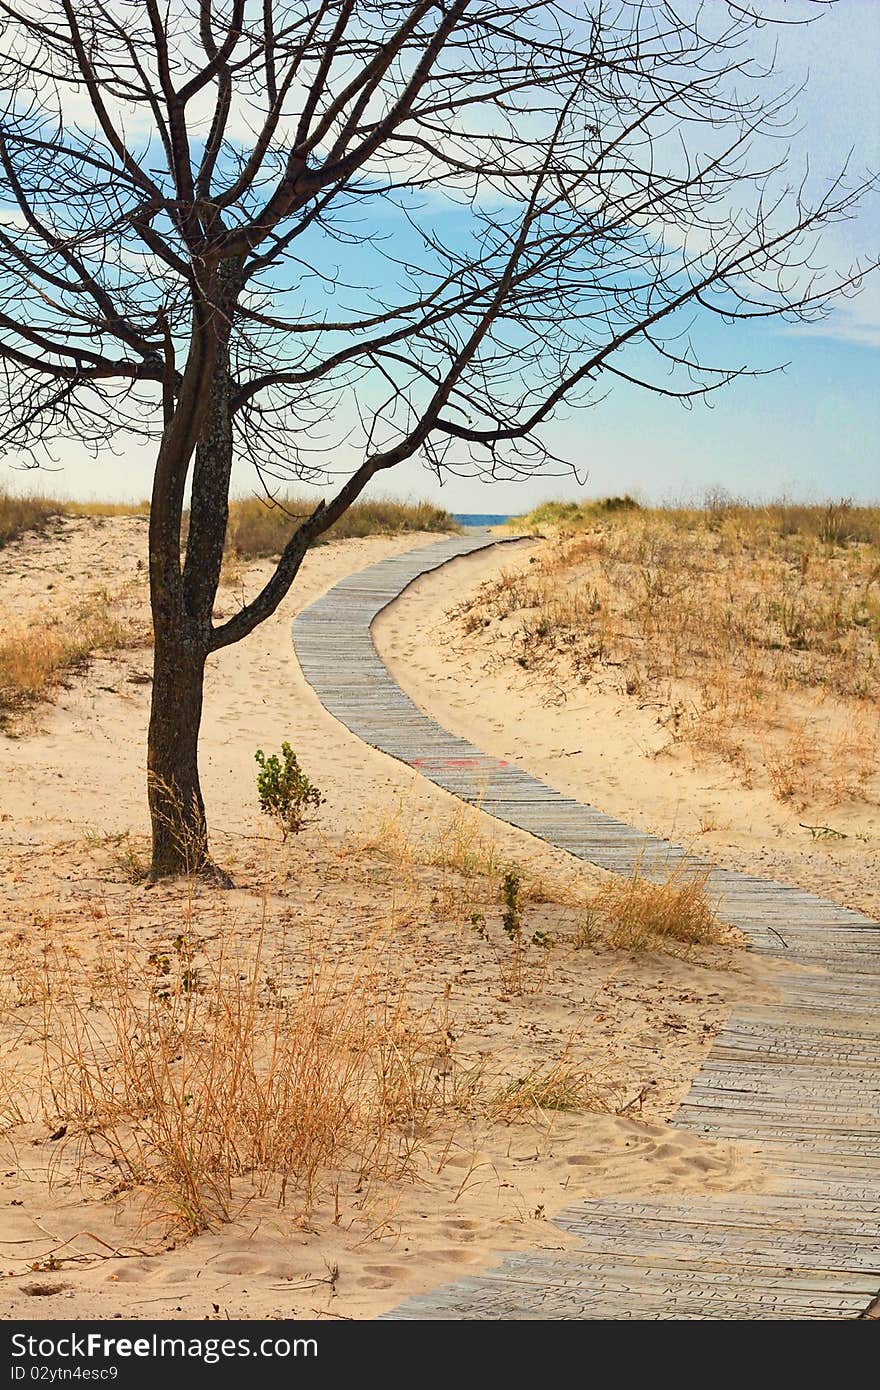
(479, 518)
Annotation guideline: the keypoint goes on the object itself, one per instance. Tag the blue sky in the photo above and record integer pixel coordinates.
(809, 433)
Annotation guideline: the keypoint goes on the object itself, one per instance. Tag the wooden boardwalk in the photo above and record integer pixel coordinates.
(797, 1080)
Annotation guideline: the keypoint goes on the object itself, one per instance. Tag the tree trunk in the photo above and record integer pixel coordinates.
(182, 598)
(177, 811)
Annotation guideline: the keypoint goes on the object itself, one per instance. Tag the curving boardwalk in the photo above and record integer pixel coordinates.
(798, 1079)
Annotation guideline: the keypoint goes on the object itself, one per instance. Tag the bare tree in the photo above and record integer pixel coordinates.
(331, 235)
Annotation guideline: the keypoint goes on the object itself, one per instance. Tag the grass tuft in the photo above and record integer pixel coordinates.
(643, 915)
(560, 1085)
(190, 1077)
(38, 657)
(20, 514)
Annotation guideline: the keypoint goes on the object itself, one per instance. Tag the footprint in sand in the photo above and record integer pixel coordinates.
(132, 1272)
(707, 1164)
(241, 1264)
(663, 1151)
(460, 1161)
(452, 1255)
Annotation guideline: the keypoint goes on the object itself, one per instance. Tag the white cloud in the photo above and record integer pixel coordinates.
(855, 321)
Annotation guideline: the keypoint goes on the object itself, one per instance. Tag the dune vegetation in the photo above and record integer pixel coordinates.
(37, 657)
(39, 652)
(200, 1067)
(256, 529)
(754, 629)
(20, 514)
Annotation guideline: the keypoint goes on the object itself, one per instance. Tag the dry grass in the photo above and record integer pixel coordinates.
(636, 914)
(467, 858)
(20, 514)
(32, 511)
(202, 1075)
(644, 915)
(191, 1076)
(751, 629)
(544, 1088)
(204, 1048)
(470, 891)
(38, 656)
(257, 530)
(463, 847)
(204, 1079)
(141, 508)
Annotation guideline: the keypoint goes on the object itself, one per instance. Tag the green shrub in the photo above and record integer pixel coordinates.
(284, 789)
(510, 896)
(617, 504)
(574, 516)
(512, 916)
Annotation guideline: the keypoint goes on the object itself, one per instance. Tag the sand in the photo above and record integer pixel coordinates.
(606, 748)
(74, 1242)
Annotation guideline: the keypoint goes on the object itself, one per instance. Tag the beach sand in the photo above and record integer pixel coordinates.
(77, 1243)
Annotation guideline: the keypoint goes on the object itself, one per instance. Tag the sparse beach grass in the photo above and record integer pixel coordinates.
(634, 913)
(199, 1067)
(643, 915)
(257, 1049)
(41, 654)
(42, 649)
(187, 1074)
(754, 630)
(32, 511)
(257, 529)
(20, 514)
(98, 508)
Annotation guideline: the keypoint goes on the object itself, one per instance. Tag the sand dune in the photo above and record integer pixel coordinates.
(595, 743)
(76, 1242)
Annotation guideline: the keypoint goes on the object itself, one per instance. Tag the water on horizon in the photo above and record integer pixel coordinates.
(479, 518)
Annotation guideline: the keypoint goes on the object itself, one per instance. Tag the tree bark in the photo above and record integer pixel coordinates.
(177, 810)
(182, 599)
